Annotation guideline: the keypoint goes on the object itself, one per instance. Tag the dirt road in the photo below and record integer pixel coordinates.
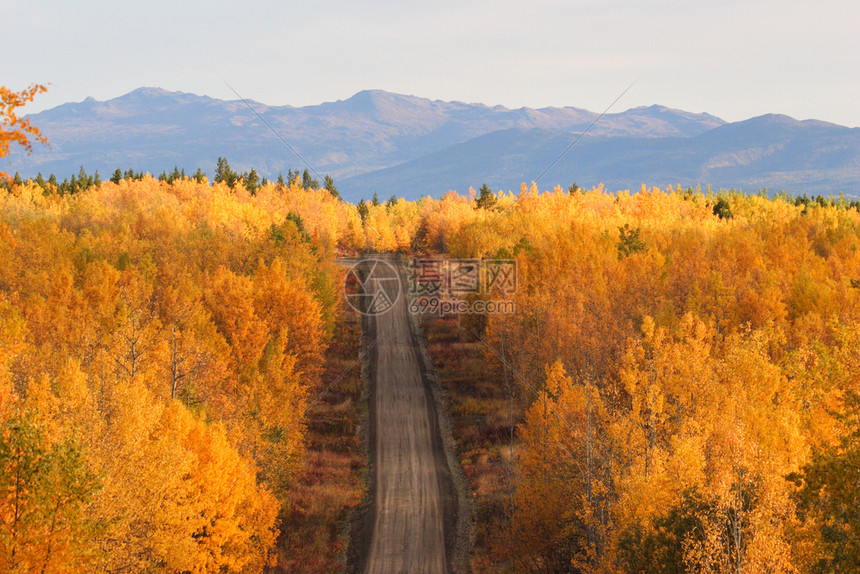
(409, 523)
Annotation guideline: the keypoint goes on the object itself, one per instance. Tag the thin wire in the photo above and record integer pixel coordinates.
(591, 125)
(573, 143)
(292, 149)
(286, 143)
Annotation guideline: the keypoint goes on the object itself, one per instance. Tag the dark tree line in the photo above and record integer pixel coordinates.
(251, 180)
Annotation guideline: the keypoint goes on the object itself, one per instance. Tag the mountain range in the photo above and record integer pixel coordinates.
(394, 144)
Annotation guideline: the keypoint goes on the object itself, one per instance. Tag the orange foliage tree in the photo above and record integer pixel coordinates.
(15, 129)
(168, 333)
(686, 352)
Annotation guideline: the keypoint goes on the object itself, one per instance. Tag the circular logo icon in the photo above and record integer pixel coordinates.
(372, 286)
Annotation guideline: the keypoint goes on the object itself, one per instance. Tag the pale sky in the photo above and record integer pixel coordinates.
(734, 59)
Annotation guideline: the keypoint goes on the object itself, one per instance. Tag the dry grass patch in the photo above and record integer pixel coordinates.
(314, 529)
(481, 415)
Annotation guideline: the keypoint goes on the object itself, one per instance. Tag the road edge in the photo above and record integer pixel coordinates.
(459, 532)
(362, 518)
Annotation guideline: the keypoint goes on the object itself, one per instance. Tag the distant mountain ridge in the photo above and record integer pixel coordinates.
(393, 144)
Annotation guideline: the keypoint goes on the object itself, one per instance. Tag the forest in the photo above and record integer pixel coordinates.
(157, 344)
(684, 367)
(677, 390)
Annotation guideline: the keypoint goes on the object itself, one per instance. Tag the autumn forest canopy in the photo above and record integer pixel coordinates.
(684, 367)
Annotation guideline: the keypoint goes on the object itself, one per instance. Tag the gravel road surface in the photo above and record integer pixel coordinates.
(411, 485)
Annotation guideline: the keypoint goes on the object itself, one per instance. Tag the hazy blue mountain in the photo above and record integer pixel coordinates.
(774, 152)
(405, 145)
